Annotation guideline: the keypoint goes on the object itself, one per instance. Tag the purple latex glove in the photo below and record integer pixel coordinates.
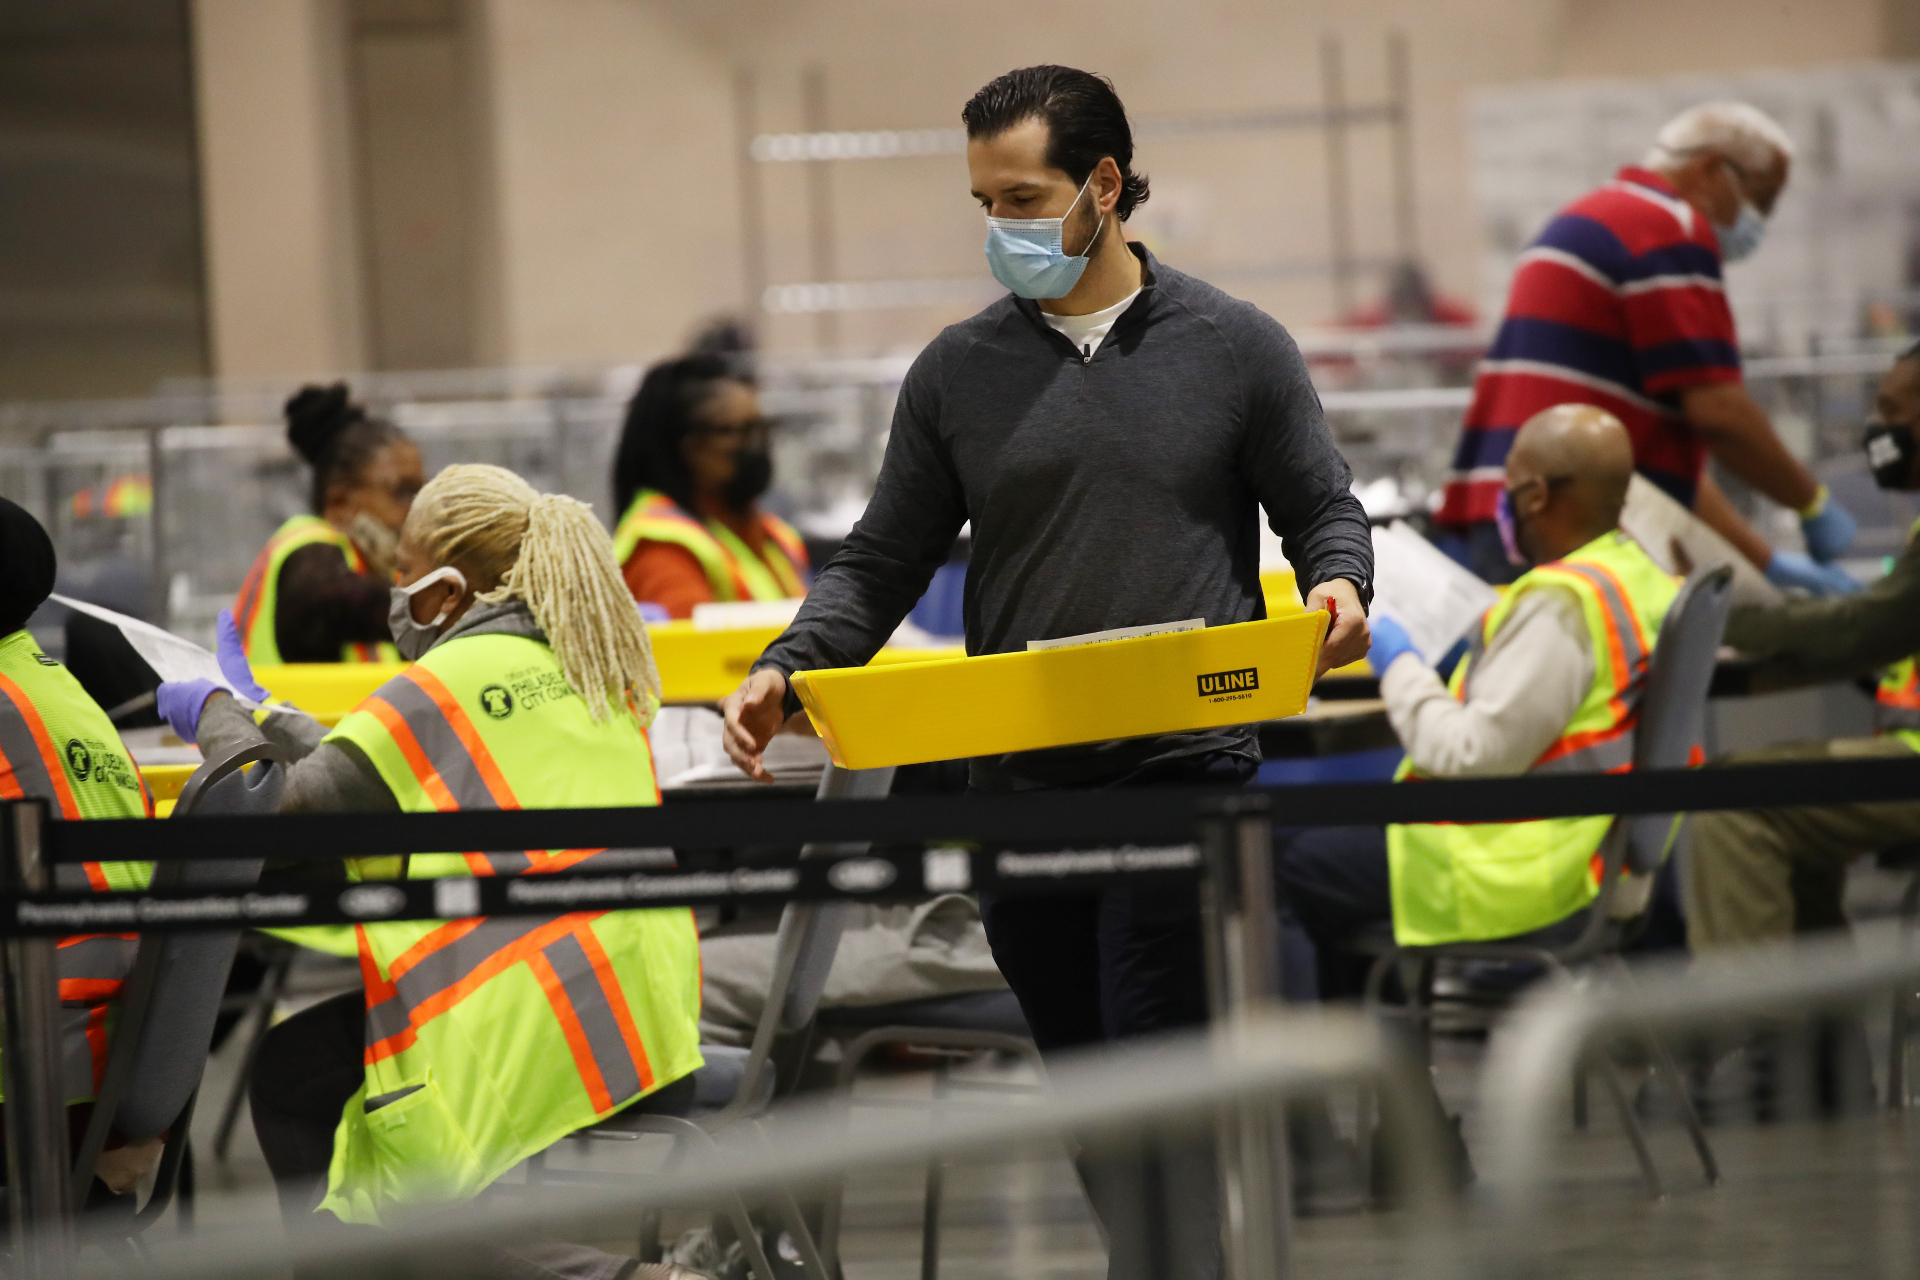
(180, 703)
(233, 662)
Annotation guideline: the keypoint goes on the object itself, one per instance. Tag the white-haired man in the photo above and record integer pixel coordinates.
(1619, 304)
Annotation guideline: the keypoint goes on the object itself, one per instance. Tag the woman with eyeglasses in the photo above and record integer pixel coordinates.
(318, 590)
(692, 465)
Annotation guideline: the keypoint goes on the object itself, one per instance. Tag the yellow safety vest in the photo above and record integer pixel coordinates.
(733, 570)
(256, 608)
(1899, 693)
(57, 745)
(491, 1039)
(1455, 882)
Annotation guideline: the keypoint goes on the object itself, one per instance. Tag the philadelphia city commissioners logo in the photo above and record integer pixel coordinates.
(496, 701)
(1217, 684)
(79, 759)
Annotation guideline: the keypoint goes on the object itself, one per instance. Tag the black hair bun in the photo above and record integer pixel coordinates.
(316, 416)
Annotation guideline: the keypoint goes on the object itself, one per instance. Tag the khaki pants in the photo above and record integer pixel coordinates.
(1760, 875)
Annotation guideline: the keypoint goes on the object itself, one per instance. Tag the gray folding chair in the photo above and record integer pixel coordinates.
(737, 1085)
(1671, 726)
(171, 997)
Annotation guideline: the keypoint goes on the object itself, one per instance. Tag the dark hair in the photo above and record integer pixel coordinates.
(659, 416)
(1084, 118)
(337, 437)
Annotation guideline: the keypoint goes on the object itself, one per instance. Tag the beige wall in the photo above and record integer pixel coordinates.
(611, 150)
(283, 258)
(606, 213)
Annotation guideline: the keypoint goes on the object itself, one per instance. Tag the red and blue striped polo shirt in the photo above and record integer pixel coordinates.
(1619, 304)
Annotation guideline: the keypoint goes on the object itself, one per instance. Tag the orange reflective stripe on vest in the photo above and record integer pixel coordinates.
(32, 762)
(453, 765)
(1607, 750)
(440, 970)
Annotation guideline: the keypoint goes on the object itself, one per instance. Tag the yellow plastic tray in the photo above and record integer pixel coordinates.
(909, 713)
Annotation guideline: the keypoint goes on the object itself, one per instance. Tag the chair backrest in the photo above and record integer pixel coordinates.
(808, 937)
(172, 995)
(1673, 710)
(817, 927)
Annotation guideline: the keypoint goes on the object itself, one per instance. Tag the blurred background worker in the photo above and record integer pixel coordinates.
(1111, 429)
(318, 591)
(57, 745)
(531, 687)
(1539, 691)
(692, 465)
(1620, 304)
(1758, 875)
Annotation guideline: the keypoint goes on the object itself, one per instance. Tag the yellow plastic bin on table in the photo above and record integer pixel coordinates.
(909, 713)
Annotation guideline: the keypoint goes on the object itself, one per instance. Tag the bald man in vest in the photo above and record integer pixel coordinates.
(1550, 683)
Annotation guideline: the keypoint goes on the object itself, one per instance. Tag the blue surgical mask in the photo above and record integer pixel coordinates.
(1744, 236)
(1028, 257)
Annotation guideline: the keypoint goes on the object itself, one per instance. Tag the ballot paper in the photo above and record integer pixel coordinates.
(1424, 590)
(1681, 542)
(1118, 633)
(171, 657)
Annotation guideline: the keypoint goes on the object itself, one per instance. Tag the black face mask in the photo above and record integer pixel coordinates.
(752, 473)
(1890, 451)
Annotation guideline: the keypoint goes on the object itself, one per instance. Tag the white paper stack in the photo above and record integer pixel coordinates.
(1424, 590)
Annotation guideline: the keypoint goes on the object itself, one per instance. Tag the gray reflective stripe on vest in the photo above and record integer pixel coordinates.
(443, 969)
(1601, 757)
(449, 757)
(1886, 717)
(102, 959)
(618, 1071)
(23, 753)
(1625, 621)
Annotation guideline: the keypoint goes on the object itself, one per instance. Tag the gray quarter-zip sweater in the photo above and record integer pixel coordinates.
(1118, 490)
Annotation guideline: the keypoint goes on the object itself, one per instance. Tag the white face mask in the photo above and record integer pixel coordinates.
(411, 638)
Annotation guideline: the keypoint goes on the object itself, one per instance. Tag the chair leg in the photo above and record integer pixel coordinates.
(1610, 1078)
(749, 1237)
(1669, 1070)
(930, 1223)
(1899, 1032)
(930, 1214)
(1580, 1094)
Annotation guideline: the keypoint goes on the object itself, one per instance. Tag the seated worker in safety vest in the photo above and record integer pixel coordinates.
(691, 467)
(57, 745)
(317, 592)
(1761, 875)
(476, 1044)
(1551, 683)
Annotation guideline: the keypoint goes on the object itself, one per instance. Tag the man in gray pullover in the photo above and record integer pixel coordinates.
(1110, 432)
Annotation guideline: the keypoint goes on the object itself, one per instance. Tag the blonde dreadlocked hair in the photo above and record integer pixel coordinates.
(550, 551)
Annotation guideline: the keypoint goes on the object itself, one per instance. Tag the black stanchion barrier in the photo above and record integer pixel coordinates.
(675, 855)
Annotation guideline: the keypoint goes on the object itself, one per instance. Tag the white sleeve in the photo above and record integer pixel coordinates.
(1524, 692)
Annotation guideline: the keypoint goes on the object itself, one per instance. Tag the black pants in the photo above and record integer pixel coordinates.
(1095, 968)
(1333, 883)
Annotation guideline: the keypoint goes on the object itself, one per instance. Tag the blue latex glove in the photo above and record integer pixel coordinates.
(180, 702)
(1389, 642)
(1790, 569)
(1830, 532)
(233, 662)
